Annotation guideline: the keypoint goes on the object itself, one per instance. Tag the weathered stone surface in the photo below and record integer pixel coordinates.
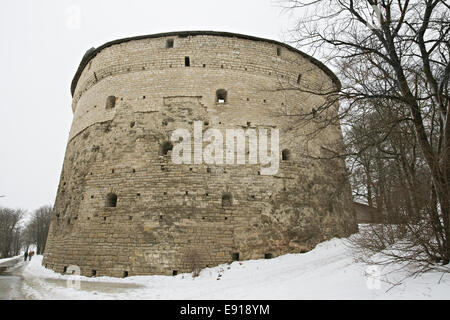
(164, 209)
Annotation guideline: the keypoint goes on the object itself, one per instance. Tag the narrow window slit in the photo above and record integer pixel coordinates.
(285, 155)
(166, 147)
(227, 199)
(110, 102)
(111, 200)
(221, 96)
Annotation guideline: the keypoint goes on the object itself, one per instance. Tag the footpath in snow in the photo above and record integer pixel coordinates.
(327, 272)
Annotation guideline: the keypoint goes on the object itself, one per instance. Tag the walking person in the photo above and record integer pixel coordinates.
(25, 255)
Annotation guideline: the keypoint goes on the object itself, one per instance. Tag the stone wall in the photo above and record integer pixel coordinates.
(167, 213)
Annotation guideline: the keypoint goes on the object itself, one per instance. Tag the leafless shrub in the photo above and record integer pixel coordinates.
(408, 246)
(192, 259)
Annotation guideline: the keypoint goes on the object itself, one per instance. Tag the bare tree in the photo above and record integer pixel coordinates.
(192, 260)
(37, 229)
(393, 57)
(400, 187)
(10, 231)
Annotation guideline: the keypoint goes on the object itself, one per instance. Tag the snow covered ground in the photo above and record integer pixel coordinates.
(8, 259)
(327, 272)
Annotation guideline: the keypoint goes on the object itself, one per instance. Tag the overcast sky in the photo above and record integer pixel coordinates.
(42, 43)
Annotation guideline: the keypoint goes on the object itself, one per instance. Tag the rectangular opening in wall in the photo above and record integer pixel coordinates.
(94, 273)
(174, 272)
(235, 256)
(125, 274)
(64, 269)
(268, 256)
(278, 51)
(187, 62)
(169, 43)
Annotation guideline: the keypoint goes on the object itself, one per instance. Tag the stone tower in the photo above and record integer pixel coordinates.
(123, 206)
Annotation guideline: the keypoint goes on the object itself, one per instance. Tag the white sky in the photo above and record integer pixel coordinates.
(41, 48)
